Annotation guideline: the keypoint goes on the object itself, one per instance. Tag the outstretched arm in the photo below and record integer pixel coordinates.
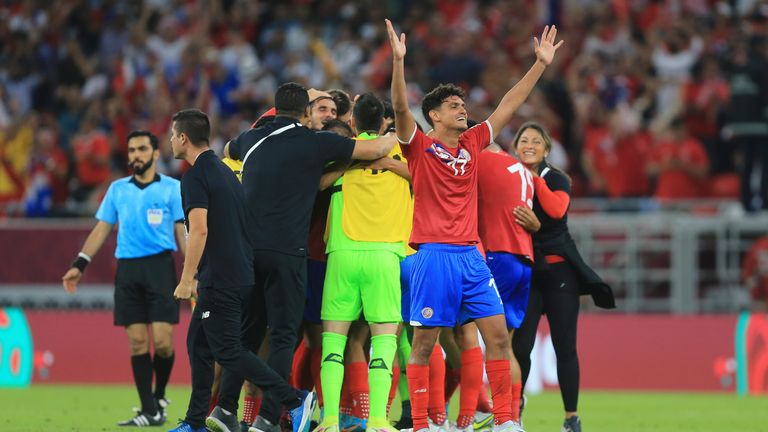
(405, 124)
(545, 53)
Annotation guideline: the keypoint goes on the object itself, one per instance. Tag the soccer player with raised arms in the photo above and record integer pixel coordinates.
(450, 282)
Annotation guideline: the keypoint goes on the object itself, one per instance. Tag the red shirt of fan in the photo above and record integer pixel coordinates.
(445, 186)
(503, 185)
(677, 183)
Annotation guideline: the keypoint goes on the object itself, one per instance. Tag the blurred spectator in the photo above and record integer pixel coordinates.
(704, 98)
(16, 142)
(92, 155)
(747, 122)
(615, 154)
(754, 272)
(48, 169)
(629, 68)
(679, 163)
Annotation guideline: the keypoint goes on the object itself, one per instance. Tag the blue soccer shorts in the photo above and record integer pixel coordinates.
(513, 279)
(451, 284)
(406, 267)
(315, 281)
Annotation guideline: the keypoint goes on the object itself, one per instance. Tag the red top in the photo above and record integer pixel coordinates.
(754, 268)
(92, 154)
(503, 185)
(445, 186)
(675, 183)
(620, 161)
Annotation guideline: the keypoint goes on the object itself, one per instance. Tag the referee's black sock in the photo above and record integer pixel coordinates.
(163, 367)
(142, 375)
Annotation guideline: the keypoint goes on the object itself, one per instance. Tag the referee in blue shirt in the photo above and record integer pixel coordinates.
(147, 206)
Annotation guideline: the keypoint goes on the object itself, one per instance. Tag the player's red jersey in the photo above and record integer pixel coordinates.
(503, 184)
(445, 186)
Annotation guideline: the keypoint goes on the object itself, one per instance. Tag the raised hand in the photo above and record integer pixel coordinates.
(545, 51)
(398, 44)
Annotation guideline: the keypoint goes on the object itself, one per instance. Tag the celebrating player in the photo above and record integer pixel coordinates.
(450, 282)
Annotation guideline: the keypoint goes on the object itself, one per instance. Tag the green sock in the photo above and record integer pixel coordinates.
(332, 374)
(383, 349)
(403, 352)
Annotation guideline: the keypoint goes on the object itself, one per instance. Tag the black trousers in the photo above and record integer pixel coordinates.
(554, 292)
(280, 296)
(754, 151)
(214, 334)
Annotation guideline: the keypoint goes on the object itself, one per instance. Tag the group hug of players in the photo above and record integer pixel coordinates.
(432, 242)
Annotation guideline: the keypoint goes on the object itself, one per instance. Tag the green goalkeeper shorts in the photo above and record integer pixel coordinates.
(362, 281)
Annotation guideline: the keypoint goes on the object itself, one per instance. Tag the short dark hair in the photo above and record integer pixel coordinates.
(342, 99)
(143, 133)
(195, 124)
(336, 124)
(291, 100)
(368, 113)
(436, 97)
(389, 110)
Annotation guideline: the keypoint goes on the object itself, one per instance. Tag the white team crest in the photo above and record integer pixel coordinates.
(458, 163)
(427, 312)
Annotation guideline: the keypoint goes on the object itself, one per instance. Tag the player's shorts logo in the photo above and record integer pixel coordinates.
(427, 312)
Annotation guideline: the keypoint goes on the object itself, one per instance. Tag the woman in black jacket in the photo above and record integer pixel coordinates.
(559, 277)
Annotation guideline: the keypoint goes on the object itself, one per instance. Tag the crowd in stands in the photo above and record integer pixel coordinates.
(650, 98)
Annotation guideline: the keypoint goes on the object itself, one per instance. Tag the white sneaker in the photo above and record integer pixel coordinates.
(483, 421)
(455, 428)
(509, 426)
(443, 427)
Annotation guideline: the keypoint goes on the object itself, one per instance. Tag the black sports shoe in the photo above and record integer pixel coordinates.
(572, 424)
(219, 421)
(162, 407)
(406, 421)
(142, 419)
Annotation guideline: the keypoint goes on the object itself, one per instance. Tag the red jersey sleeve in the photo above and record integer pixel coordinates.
(555, 203)
(416, 145)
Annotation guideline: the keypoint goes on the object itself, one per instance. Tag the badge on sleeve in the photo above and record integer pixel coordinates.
(154, 217)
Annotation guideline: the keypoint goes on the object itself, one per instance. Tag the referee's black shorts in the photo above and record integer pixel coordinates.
(144, 290)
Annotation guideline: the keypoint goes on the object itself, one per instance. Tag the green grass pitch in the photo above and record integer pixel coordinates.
(98, 408)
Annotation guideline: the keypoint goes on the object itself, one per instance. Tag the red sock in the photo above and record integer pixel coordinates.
(452, 379)
(301, 373)
(393, 389)
(483, 404)
(345, 403)
(251, 405)
(316, 357)
(358, 388)
(517, 389)
(436, 386)
(501, 389)
(471, 381)
(214, 401)
(418, 389)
